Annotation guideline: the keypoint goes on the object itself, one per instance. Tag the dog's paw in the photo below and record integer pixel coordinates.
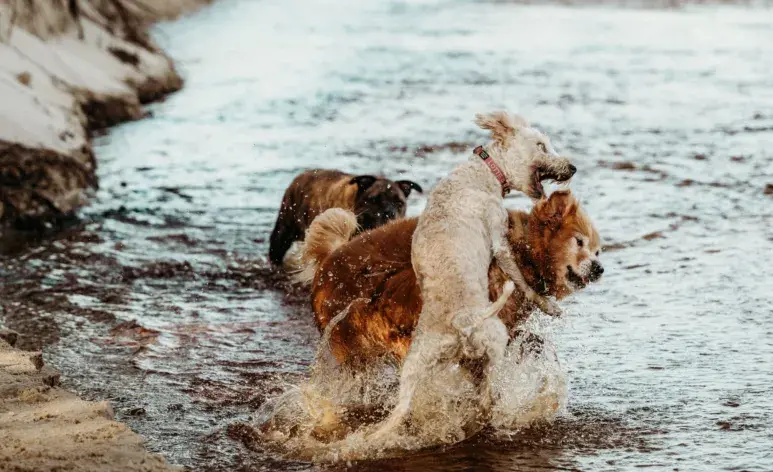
(489, 339)
(471, 346)
(549, 307)
(471, 351)
(508, 288)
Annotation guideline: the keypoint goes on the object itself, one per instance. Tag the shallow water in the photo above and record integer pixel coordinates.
(669, 117)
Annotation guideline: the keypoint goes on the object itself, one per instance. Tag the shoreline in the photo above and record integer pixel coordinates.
(69, 69)
(43, 427)
(65, 74)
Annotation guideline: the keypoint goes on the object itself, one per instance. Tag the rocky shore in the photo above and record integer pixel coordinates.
(67, 69)
(44, 428)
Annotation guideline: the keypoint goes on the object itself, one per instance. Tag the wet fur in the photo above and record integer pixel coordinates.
(463, 227)
(373, 274)
(374, 201)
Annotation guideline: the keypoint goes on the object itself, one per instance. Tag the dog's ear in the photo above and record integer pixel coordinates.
(407, 185)
(363, 182)
(555, 209)
(501, 125)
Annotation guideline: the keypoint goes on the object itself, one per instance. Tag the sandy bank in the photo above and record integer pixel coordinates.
(68, 67)
(44, 428)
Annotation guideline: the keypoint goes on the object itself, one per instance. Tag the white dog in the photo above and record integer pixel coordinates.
(462, 227)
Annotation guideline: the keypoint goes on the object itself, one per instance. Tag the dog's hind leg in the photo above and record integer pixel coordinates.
(426, 352)
(479, 329)
(483, 333)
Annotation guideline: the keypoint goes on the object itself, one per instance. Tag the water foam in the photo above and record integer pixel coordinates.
(329, 416)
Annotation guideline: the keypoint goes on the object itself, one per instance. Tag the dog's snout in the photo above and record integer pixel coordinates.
(572, 170)
(596, 270)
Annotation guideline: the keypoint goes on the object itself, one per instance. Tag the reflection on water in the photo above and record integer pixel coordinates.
(669, 361)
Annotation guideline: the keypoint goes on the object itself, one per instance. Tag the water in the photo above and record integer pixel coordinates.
(669, 114)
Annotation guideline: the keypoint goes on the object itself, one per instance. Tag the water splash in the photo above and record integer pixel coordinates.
(329, 416)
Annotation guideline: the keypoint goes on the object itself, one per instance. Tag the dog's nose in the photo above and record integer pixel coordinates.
(572, 169)
(596, 271)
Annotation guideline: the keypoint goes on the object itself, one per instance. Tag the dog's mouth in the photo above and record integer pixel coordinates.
(576, 280)
(543, 173)
(536, 191)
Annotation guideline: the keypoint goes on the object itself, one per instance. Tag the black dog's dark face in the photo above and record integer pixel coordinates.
(381, 200)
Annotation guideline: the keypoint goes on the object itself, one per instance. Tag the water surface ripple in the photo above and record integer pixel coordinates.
(160, 300)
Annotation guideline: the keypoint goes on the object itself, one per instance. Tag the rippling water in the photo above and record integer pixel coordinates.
(160, 300)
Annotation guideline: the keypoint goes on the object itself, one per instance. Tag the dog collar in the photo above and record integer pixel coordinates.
(480, 152)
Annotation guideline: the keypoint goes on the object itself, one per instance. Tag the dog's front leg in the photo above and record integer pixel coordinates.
(504, 257)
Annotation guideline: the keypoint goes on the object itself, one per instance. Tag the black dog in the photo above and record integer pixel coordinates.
(375, 201)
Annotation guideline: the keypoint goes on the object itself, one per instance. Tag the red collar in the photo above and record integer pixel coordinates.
(494, 169)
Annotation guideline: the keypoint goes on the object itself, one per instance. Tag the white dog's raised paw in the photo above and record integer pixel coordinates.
(508, 288)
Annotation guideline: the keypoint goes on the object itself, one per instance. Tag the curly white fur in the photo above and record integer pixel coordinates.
(462, 227)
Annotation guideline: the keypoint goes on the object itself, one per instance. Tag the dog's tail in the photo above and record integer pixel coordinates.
(465, 323)
(329, 231)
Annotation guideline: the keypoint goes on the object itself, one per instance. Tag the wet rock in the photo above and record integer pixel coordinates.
(20, 362)
(10, 337)
(103, 113)
(40, 183)
(46, 163)
(49, 376)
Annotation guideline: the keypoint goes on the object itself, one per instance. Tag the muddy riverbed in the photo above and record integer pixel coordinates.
(159, 298)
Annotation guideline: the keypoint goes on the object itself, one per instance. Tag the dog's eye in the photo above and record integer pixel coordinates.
(580, 242)
(542, 147)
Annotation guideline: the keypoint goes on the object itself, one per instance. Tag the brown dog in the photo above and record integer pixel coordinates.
(371, 278)
(375, 201)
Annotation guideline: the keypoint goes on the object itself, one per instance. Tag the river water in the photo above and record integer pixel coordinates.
(159, 297)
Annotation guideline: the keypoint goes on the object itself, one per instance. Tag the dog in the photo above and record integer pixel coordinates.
(375, 201)
(555, 246)
(462, 227)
